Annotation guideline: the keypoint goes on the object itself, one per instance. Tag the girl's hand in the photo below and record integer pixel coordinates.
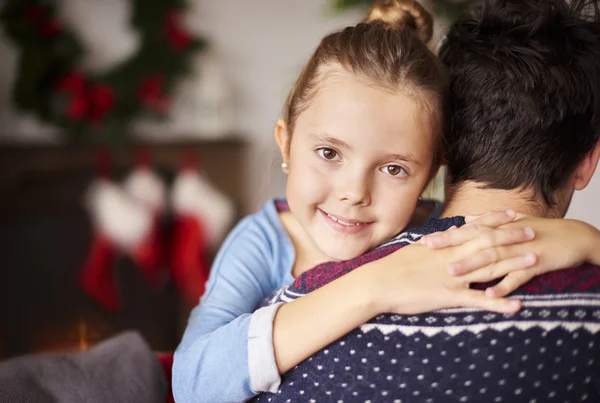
(483, 227)
(558, 244)
(415, 279)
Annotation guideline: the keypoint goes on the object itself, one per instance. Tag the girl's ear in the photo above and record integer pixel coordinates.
(282, 137)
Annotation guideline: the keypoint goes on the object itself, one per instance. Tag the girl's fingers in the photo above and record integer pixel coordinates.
(478, 299)
(502, 268)
(490, 255)
(501, 237)
(455, 237)
(493, 219)
(425, 237)
(511, 282)
(480, 237)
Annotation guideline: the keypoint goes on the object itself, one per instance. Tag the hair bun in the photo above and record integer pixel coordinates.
(403, 14)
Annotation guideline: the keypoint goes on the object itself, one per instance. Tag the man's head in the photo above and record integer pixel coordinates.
(525, 97)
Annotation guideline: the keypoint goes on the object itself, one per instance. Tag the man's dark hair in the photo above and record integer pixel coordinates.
(524, 103)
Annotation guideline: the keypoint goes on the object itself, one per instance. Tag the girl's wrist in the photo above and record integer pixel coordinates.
(591, 238)
(373, 292)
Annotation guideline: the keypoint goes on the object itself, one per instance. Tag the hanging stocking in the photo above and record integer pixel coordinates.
(202, 215)
(148, 188)
(97, 276)
(189, 270)
(120, 225)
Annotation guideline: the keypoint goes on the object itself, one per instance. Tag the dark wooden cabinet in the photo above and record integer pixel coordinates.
(45, 233)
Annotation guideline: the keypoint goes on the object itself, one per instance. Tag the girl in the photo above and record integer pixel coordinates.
(360, 139)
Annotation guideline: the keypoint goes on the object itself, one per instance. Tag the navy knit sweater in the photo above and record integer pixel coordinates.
(547, 352)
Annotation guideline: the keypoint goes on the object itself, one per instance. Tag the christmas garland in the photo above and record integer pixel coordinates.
(449, 9)
(51, 84)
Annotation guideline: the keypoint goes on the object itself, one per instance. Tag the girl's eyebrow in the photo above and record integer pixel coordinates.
(325, 138)
(404, 157)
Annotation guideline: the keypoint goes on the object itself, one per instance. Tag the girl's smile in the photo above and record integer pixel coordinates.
(345, 225)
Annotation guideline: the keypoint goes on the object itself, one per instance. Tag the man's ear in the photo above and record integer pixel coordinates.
(587, 167)
(282, 137)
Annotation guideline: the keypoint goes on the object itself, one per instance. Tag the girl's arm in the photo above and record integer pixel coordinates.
(410, 281)
(216, 358)
(559, 244)
(211, 363)
(595, 252)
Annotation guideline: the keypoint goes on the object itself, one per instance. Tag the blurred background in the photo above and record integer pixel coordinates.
(133, 135)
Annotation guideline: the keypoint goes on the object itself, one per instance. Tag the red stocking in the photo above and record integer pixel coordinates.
(203, 215)
(97, 276)
(188, 258)
(145, 186)
(149, 255)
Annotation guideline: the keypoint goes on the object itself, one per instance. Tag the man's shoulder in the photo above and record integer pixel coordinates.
(581, 279)
(549, 301)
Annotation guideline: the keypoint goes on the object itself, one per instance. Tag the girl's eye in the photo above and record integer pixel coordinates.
(327, 153)
(394, 170)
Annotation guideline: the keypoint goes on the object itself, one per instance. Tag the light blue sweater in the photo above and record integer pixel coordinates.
(226, 354)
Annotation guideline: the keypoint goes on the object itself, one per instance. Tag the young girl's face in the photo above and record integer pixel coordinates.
(358, 160)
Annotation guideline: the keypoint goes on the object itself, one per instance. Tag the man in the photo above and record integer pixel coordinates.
(524, 134)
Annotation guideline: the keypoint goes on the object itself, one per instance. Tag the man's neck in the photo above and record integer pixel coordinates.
(470, 198)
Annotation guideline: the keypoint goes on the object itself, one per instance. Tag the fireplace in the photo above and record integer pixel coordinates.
(45, 233)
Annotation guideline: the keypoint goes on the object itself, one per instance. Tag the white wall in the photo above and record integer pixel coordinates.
(586, 204)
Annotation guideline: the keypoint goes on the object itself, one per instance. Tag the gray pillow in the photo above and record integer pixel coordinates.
(120, 369)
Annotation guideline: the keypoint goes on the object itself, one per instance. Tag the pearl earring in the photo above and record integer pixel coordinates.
(284, 165)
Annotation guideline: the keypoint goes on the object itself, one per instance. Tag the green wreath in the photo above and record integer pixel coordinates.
(450, 9)
(51, 84)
